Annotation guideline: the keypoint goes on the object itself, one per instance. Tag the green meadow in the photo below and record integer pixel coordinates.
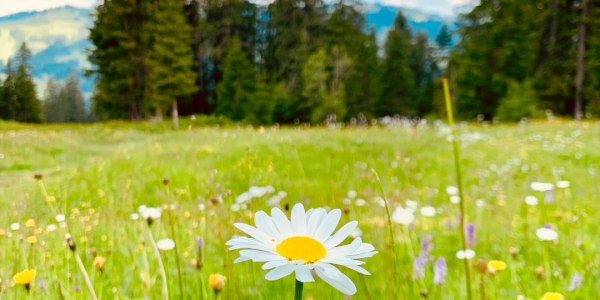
(98, 175)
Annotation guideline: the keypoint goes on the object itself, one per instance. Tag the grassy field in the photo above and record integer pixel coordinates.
(98, 176)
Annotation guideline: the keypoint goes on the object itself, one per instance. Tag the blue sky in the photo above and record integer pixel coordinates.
(8, 7)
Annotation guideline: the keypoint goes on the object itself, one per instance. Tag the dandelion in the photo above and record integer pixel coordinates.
(553, 296)
(440, 271)
(25, 278)
(403, 216)
(546, 234)
(576, 282)
(496, 265)
(98, 263)
(150, 214)
(531, 200)
(465, 254)
(165, 244)
(30, 223)
(306, 245)
(216, 282)
(31, 240)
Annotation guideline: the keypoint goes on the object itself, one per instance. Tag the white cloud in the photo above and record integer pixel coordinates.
(9, 7)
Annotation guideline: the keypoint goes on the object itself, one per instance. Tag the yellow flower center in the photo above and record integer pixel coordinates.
(301, 248)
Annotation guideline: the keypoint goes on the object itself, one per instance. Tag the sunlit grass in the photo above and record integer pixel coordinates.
(100, 174)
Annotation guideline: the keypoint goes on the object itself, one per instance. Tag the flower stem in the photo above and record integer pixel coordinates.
(86, 278)
(161, 267)
(298, 290)
(456, 151)
(391, 232)
(172, 228)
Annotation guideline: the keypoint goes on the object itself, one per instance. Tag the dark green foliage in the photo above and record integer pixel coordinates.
(397, 79)
(18, 98)
(64, 103)
(521, 101)
(424, 70)
(236, 91)
(444, 37)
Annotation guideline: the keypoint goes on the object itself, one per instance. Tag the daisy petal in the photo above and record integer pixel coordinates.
(358, 269)
(303, 274)
(340, 235)
(280, 272)
(314, 220)
(298, 219)
(338, 280)
(264, 223)
(274, 264)
(328, 225)
(281, 222)
(253, 232)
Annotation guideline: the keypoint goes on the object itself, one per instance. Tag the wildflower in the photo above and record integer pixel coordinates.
(30, 223)
(60, 218)
(216, 282)
(541, 186)
(25, 278)
(200, 259)
(481, 266)
(98, 263)
(412, 204)
(576, 282)
(306, 245)
(51, 227)
(428, 211)
(70, 242)
(546, 234)
(454, 199)
(465, 254)
(15, 226)
(419, 267)
(452, 190)
(440, 271)
(360, 202)
(38, 176)
(403, 216)
(165, 244)
(553, 296)
(496, 265)
(470, 235)
(531, 200)
(352, 194)
(150, 214)
(563, 184)
(31, 240)
(50, 199)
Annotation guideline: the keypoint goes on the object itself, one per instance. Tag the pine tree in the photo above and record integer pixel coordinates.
(53, 112)
(9, 106)
(236, 90)
(28, 105)
(397, 81)
(424, 70)
(444, 37)
(71, 100)
(171, 74)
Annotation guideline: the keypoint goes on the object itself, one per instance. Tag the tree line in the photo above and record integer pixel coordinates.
(307, 61)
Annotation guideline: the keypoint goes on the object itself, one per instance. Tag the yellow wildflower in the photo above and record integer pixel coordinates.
(496, 265)
(216, 282)
(31, 240)
(25, 277)
(553, 296)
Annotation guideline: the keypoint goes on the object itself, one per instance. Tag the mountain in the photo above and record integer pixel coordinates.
(58, 37)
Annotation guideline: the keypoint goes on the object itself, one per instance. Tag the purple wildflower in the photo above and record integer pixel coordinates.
(470, 235)
(440, 271)
(576, 282)
(549, 197)
(419, 267)
(200, 242)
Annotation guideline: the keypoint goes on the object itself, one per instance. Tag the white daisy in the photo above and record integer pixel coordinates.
(531, 200)
(165, 244)
(541, 186)
(306, 244)
(403, 216)
(465, 254)
(428, 211)
(546, 234)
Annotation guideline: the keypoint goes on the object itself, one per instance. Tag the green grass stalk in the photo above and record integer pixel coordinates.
(456, 151)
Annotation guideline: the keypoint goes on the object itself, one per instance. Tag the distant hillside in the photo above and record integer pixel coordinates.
(58, 37)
